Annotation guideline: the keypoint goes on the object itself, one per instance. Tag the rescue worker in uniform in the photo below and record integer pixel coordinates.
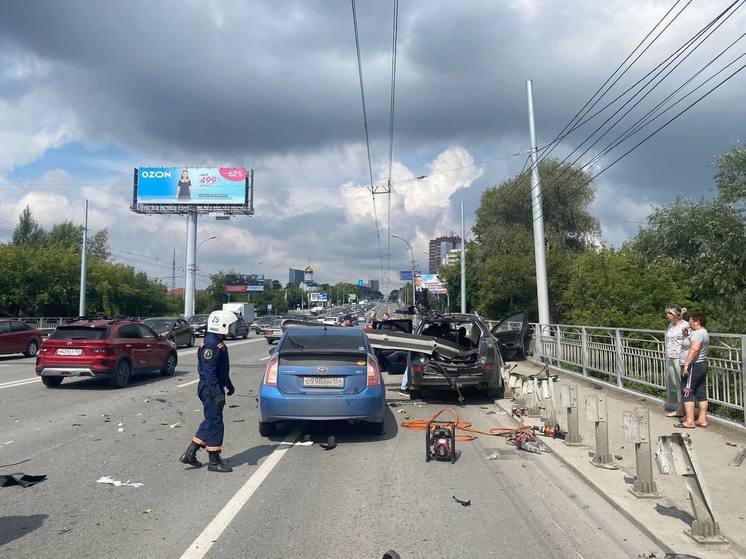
(214, 370)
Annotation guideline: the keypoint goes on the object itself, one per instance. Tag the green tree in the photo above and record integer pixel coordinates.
(28, 231)
(731, 174)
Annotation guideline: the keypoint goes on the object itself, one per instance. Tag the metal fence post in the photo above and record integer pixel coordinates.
(558, 354)
(596, 410)
(569, 398)
(619, 357)
(584, 350)
(743, 377)
(637, 430)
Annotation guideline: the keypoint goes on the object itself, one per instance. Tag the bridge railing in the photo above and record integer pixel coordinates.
(635, 360)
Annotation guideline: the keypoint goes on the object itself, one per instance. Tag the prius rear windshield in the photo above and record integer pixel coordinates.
(297, 340)
(79, 333)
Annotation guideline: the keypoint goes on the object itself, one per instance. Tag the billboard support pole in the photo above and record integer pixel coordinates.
(191, 264)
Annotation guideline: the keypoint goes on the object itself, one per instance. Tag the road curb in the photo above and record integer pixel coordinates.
(585, 479)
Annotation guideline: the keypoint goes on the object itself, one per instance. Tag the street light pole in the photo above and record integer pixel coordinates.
(84, 265)
(463, 262)
(413, 267)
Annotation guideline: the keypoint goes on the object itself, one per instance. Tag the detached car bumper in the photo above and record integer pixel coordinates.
(367, 405)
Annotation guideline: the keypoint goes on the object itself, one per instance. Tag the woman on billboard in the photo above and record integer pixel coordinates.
(185, 187)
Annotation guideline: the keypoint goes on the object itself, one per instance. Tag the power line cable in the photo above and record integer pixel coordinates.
(367, 137)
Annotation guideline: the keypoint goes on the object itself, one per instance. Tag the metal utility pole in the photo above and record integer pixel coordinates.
(414, 266)
(191, 264)
(537, 212)
(463, 262)
(84, 264)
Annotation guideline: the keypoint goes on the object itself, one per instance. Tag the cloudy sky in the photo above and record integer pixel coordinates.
(89, 90)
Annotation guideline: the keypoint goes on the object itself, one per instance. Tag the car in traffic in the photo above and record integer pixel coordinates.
(240, 329)
(322, 373)
(18, 337)
(198, 322)
(178, 330)
(262, 322)
(273, 331)
(104, 348)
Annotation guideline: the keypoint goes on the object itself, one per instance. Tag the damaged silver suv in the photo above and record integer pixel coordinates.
(469, 357)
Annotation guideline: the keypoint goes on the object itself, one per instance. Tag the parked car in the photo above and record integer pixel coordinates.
(198, 322)
(178, 330)
(513, 335)
(273, 331)
(19, 337)
(111, 349)
(475, 360)
(319, 373)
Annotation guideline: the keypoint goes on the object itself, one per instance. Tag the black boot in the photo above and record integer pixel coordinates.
(190, 455)
(216, 464)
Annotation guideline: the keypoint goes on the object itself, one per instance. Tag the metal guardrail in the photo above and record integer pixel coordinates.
(627, 357)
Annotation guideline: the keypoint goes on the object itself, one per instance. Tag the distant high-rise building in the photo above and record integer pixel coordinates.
(439, 248)
(295, 276)
(452, 257)
(374, 285)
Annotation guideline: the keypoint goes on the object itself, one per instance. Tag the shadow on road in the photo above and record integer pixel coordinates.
(251, 456)
(15, 527)
(344, 431)
(673, 512)
(17, 358)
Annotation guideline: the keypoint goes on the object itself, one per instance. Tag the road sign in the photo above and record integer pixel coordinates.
(361, 283)
(406, 275)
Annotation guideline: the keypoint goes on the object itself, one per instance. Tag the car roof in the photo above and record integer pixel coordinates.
(98, 322)
(163, 318)
(320, 330)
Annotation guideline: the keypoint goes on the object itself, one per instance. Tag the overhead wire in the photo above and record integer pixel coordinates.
(367, 136)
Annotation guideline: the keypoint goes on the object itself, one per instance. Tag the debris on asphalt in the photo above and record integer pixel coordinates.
(738, 458)
(330, 444)
(491, 413)
(175, 425)
(619, 457)
(147, 511)
(233, 406)
(304, 443)
(462, 503)
(116, 483)
(238, 420)
(162, 400)
(393, 404)
(64, 531)
(484, 408)
(730, 444)
(401, 411)
(494, 456)
(76, 425)
(24, 480)
(391, 554)
(146, 401)
(120, 427)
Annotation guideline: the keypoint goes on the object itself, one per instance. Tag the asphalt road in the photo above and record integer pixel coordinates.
(366, 496)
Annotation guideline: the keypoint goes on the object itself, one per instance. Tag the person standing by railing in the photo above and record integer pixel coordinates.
(694, 381)
(673, 342)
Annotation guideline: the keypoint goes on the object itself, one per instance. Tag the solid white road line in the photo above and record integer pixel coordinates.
(214, 529)
(15, 383)
(265, 358)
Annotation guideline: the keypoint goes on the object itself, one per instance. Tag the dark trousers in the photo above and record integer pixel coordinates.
(211, 430)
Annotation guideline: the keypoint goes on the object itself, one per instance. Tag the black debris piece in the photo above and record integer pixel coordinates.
(24, 480)
(460, 502)
(233, 406)
(331, 443)
(162, 400)
(391, 554)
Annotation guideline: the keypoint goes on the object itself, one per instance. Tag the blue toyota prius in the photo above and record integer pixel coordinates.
(322, 373)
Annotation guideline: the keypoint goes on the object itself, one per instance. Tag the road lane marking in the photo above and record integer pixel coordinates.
(265, 358)
(21, 382)
(222, 520)
(195, 381)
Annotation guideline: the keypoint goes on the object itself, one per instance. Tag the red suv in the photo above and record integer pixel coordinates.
(19, 337)
(113, 349)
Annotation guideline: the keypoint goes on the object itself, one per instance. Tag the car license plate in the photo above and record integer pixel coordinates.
(324, 382)
(69, 351)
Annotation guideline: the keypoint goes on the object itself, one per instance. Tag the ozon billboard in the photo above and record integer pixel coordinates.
(191, 186)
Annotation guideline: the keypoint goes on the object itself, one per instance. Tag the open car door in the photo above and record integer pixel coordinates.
(393, 361)
(512, 335)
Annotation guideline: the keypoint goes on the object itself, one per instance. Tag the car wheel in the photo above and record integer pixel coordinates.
(191, 341)
(121, 375)
(267, 428)
(51, 382)
(31, 349)
(415, 394)
(269, 341)
(246, 334)
(375, 428)
(170, 367)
